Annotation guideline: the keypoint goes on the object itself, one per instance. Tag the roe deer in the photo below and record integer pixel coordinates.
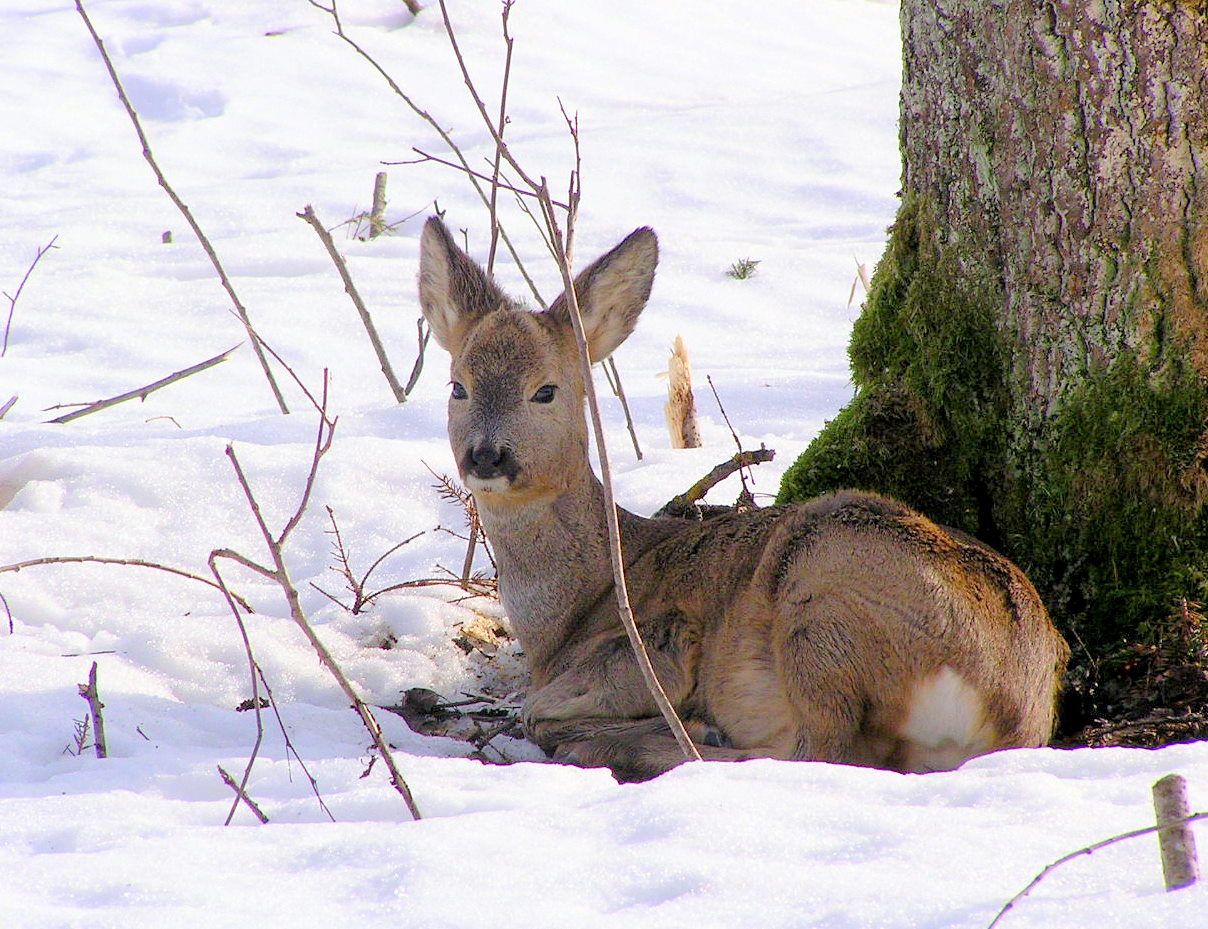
(847, 629)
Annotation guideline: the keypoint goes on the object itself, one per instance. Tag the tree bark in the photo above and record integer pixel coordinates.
(1032, 359)
(1068, 142)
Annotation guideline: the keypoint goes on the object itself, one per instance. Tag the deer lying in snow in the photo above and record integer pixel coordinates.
(847, 629)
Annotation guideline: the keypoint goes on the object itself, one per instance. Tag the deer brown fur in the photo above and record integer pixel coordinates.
(847, 629)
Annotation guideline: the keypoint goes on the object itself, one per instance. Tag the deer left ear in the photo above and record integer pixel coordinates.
(612, 292)
(454, 292)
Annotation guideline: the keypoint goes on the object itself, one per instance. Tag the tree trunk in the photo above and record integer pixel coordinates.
(1032, 359)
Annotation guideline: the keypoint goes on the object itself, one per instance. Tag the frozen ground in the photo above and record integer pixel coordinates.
(764, 132)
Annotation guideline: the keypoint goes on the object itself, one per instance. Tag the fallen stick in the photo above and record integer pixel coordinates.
(242, 795)
(140, 393)
(1089, 850)
(681, 504)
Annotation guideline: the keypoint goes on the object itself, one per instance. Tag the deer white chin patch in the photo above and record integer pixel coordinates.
(490, 485)
(946, 725)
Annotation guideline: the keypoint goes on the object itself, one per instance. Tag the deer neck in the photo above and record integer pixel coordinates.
(553, 560)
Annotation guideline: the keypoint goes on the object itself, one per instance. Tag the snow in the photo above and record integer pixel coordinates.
(765, 132)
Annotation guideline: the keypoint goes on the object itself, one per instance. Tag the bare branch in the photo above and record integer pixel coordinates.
(492, 207)
(12, 301)
(746, 495)
(7, 405)
(425, 333)
(142, 393)
(280, 574)
(253, 668)
(610, 508)
(240, 310)
(308, 214)
(289, 745)
(562, 248)
(134, 562)
(614, 381)
(494, 182)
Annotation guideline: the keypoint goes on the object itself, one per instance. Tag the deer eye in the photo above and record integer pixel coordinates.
(545, 394)
(459, 392)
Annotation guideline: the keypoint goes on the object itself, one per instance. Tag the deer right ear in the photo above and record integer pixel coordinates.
(454, 292)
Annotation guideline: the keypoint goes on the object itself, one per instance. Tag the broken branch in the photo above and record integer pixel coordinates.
(89, 692)
(241, 795)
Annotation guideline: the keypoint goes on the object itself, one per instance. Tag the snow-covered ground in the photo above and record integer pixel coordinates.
(765, 131)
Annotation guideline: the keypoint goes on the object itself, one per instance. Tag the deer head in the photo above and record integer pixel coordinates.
(516, 420)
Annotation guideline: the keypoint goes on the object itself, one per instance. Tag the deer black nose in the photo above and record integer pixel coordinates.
(486, 461)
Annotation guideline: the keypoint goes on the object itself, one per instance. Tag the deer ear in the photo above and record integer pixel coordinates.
(612, 292)
(454, 292)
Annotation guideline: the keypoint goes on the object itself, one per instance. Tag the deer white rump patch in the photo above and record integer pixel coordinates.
(946, 724)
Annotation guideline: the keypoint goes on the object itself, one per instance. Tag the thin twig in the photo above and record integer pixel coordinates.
(492, 207)
(334, 13)
(1089, 850)
(12, 301)
(424, 334)
(742, 475)
(141, 393)
(614, 381)
(425, 158)
(308, 214)
(240, 310)
(353, 584)
(475, 586)
(610, 510)
(133, 562)
(241, 795)
(89, 692)
(500, 145)
(7, 405)
(7, 612)
(289, 745)
(253, 668)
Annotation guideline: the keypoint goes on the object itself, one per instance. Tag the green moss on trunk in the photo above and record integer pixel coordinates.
(1100, 500)
(926, 424)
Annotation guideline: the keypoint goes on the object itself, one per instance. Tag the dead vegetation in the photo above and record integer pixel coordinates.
(1146, 695)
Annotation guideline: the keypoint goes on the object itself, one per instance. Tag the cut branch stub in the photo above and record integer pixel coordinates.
(1180, 865)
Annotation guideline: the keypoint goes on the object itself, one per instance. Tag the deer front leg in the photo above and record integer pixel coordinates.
(600, 713)
(601, 679)
(632, 749)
